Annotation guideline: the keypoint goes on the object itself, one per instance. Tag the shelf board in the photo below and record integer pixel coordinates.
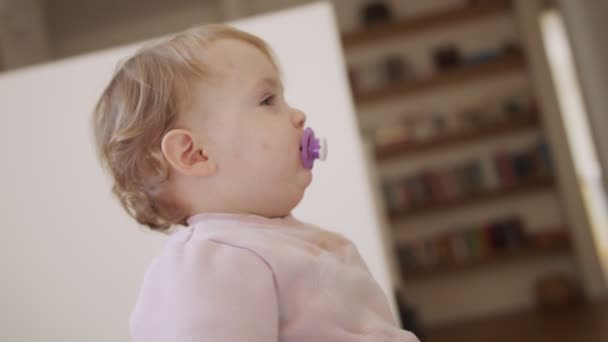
(509, 62)
(558, 244)
(401, 149)
(571, 320)
(434, 21)
(482, 196)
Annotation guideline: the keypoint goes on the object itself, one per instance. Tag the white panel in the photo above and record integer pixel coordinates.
(70, 258)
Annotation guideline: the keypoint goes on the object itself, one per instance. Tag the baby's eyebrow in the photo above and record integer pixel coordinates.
(269, 82)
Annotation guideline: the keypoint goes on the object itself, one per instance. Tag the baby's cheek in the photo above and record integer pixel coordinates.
(276, 152)
(266, 146)
(273, 150)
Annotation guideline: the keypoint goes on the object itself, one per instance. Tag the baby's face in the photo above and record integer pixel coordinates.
(251, 132)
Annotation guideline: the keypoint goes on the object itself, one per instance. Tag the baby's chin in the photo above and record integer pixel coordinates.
(305, 178)
(286, 204)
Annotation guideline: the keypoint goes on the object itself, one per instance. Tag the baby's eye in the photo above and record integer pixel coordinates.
(268, 101)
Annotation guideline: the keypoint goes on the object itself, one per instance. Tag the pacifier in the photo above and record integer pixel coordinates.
(312, 148)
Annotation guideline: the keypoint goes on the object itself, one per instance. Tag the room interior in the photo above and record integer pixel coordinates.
(483, 123)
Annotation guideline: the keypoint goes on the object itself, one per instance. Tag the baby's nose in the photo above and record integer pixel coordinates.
(299, 118)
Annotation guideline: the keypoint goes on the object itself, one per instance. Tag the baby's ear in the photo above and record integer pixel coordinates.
(181, 151)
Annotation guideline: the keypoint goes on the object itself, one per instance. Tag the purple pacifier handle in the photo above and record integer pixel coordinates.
(309, 148)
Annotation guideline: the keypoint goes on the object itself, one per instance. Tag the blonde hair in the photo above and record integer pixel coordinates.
(140, 105)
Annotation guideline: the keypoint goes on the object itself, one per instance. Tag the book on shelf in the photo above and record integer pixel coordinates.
(474, 244)
(466, 180)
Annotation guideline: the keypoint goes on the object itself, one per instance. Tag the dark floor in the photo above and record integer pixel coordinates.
(587, 323)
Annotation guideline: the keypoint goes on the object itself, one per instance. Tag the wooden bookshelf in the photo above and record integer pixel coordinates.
(449, 173)
(482, 196)
(400, 149)
(509, 62)
(552, 243)
(433, 21)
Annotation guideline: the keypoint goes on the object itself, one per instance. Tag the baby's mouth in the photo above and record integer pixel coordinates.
(311, 148)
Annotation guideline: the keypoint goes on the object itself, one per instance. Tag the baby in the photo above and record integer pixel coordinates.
(195, 132)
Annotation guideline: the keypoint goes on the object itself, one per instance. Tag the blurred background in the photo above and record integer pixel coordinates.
(485, 120)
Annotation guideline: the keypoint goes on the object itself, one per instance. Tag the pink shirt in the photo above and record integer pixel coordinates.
(246, 278)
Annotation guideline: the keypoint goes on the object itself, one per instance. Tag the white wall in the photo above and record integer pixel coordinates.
(586, 23)
(70, 258)
(588, 265)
